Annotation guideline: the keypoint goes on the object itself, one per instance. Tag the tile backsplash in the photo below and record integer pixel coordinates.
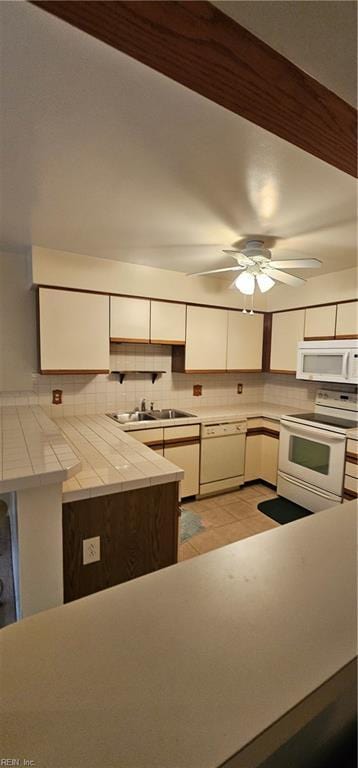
(101, 393)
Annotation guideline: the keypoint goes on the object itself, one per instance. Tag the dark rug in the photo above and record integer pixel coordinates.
(189, 524)
(282, 510)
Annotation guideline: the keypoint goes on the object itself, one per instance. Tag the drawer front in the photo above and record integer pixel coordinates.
(181, 433)
(351, 469)
(271, 424)
(148, 436)
(352, 447)
(351, 484)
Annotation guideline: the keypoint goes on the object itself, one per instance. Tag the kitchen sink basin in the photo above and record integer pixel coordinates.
(129, 418)
(171, 413)
(139, 416)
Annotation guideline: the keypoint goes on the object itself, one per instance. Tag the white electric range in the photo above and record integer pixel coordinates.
(312, 451)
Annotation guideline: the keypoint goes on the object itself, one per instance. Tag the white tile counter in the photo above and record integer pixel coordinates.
(190, 665)
(206, 413)
(33, 451)
(112, 461)
(93, 455)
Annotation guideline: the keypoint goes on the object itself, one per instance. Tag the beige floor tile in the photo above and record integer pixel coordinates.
(257, 492)
(258, 523)
(186, 551)
(211, 539)
(227, 498)
(242, 509)
(216, 516)
(234, 532)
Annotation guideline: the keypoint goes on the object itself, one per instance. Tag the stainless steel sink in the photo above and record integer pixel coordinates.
(172, 413)
(138, 416)
(129, 418)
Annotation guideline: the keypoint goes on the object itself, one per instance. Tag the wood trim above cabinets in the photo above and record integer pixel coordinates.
(200, 47)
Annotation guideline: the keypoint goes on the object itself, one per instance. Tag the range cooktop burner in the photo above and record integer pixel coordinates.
(319, 418)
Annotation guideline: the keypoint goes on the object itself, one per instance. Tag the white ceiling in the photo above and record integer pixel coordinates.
(319, 36)
(103, 156)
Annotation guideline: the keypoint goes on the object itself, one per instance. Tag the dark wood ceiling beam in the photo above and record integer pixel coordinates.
(200, 47)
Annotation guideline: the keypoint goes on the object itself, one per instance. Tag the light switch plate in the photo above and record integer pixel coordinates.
(91, 550)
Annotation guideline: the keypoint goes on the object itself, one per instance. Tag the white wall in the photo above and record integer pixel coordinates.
(335, 286)
(51, 267)
(17, 322)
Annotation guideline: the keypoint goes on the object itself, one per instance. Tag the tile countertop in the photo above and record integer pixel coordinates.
(190, 664)
(33, 450)
(207, 413)
(93, 455)
(112, 461)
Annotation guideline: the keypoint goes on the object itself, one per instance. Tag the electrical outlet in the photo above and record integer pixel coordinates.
(239, 389)
(91, 550)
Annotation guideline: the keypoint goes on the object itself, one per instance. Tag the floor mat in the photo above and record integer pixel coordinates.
(282, 510)
(190, 523)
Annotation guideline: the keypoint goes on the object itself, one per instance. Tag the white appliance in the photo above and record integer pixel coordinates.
(222, 458)
(312, 451)
(335, 361)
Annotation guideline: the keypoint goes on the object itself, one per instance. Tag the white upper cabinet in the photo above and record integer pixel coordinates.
(73, 331)
(347, 320)
(244, 342)
(320, 322)
(287, 331)
(167, 322)
(130, 319)
(206, 339)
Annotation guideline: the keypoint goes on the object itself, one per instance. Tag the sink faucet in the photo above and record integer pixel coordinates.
(142, 404)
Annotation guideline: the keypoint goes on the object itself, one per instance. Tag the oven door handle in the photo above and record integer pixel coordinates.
(346, 365)
(307, 487)
(329, 437)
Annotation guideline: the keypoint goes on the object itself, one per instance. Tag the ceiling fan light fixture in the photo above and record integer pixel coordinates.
(264, 282)
(245, 283)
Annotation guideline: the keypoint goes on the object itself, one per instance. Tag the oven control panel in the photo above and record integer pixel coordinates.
(337, 399)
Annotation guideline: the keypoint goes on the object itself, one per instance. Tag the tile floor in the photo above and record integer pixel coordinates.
(227, 518)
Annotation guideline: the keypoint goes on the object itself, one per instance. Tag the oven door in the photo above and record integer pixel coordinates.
(323, 365)
(315, 456)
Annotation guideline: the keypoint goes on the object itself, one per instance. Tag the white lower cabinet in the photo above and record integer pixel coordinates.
(269, 459)
(253, 457)
(182, 447)
(261, 454)
(187, 458)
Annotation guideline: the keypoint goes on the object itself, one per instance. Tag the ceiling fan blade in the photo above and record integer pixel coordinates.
(215, 271)
(283, 277)
(296, 264)
(244, 259)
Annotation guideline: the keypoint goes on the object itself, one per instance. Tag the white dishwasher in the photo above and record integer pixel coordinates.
(222, 458)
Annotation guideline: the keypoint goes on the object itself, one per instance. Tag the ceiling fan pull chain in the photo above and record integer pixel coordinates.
(244, 309)
(252, 305)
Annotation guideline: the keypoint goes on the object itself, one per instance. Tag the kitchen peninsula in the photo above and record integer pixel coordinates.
(220, 660)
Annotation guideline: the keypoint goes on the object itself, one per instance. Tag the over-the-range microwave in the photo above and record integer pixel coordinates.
(328, 361)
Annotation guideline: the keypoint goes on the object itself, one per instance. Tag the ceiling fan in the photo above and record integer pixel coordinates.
(255, 264)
